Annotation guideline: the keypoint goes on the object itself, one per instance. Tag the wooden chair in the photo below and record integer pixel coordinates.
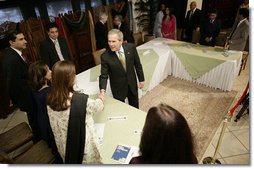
(244, 61)
(179, 34)
(15, 137)
(39, 153)
(148, 37)
(138, 38)
(195, 36)
(97, 56)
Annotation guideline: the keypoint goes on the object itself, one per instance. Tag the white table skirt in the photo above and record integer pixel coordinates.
(221, 77)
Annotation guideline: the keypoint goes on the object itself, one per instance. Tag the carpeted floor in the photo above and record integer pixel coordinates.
(204, 108)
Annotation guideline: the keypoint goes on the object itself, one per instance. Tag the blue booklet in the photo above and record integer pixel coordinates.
(121, 153)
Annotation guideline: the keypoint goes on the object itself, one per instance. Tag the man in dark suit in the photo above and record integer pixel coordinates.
(192, 21)
(209, 29)
(119, 24)
(15, 70)
(120, 63)
(54, 48)
(101, 31)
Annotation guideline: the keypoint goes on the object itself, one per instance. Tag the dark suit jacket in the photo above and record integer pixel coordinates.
(193, 23)
(48, 51)
(16, 73)
(208, 29)
(119, 79)
(101, 35)
(126, 33)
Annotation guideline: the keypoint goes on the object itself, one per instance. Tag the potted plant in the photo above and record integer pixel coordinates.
(146, 13)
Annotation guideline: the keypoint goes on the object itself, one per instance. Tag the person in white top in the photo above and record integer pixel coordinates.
(158, 22)
(59, 103)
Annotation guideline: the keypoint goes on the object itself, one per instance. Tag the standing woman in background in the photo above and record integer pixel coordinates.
(168, 28)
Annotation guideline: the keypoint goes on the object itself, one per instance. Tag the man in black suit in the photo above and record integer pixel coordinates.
(15, 70)
(119, 24)
(209, 29)
(101, 31)
(120, 63)
(54, 48)
(192, 21)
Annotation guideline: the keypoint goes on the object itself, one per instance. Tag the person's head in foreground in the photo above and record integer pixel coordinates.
(166, 138)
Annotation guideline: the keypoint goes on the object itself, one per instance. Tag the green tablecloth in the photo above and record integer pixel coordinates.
(95, 73)
(119, 131)
(149, 60)
(198, 59)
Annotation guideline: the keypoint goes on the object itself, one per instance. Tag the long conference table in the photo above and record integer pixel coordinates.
(160, 57)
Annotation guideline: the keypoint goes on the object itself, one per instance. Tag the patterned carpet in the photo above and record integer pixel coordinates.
(203, 107)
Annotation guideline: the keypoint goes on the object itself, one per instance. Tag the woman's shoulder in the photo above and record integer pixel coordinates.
(41, 94)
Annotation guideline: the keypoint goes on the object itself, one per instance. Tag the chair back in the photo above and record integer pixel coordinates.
(195, 36)
(39, 153)
(97, 56)
(15, 137)
(4, 158)
(138, 38)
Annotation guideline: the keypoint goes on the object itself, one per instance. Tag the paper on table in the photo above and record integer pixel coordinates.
(138, 131)
(124, 153)
(117, 118)
(157, 43)
(146, 52)
(134, 152)
(99, 128)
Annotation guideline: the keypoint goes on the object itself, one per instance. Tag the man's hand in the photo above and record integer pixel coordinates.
(141, 85)
(102, 95)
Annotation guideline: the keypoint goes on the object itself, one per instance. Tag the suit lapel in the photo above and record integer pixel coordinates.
(116, 60)
(19, 58)
(52, 45)
(127, 56)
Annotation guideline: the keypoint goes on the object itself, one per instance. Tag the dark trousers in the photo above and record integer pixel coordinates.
(132, 98)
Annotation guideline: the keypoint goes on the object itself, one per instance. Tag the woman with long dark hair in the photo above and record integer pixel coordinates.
(59, 104)
(166, 138)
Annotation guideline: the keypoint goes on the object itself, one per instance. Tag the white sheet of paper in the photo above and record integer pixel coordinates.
(157, 43)
(134, 152)
(117, 118)
(146, 52)
(137, 131)
(99, 127)
(124, 153)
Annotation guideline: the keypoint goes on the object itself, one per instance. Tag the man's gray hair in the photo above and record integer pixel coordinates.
(116, 32)
(102, 14)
